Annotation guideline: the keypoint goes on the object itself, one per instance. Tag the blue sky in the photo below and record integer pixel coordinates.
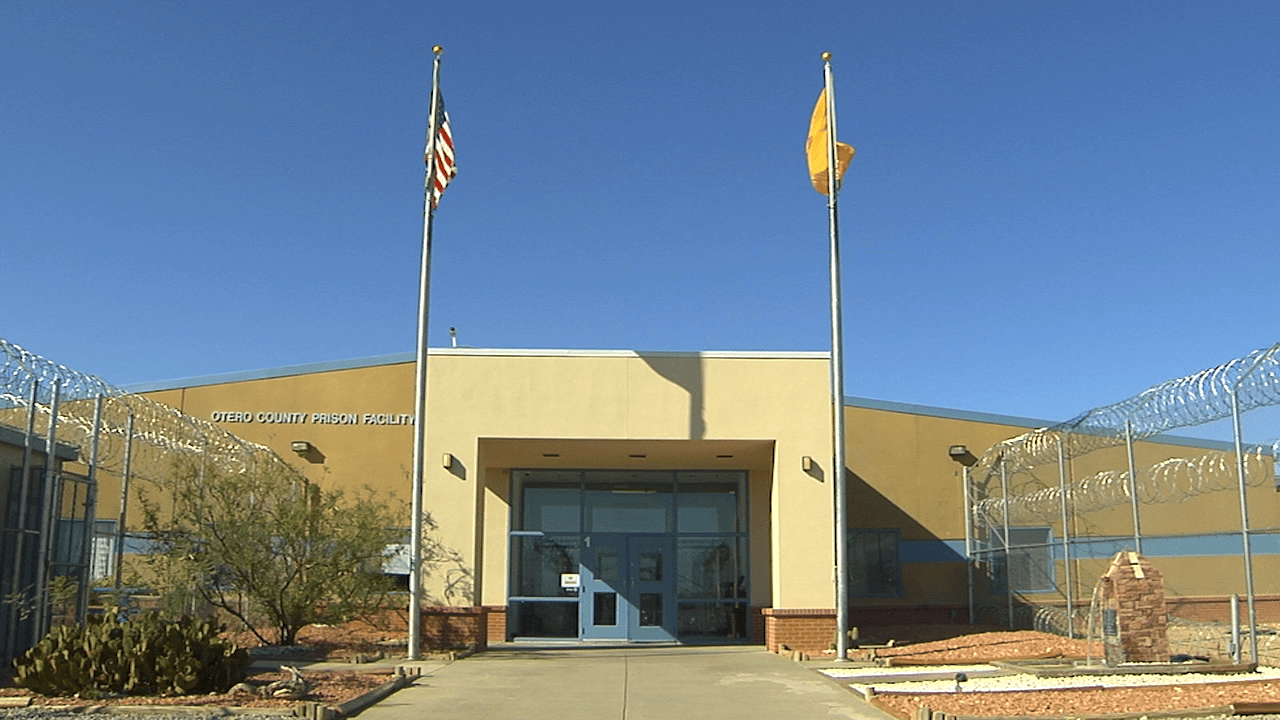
(1053, 205)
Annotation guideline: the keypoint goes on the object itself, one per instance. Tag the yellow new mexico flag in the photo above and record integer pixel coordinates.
(816, 148)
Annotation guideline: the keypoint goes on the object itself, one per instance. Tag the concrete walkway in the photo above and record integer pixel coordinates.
(632, 682)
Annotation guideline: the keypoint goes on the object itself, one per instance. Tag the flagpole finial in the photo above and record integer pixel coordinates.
(826, 57)
(437, 49)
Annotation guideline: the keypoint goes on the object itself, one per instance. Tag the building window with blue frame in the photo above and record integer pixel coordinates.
(874, 569)
(1030, 565)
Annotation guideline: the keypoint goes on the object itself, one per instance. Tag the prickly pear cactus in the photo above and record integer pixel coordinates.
(142, 656)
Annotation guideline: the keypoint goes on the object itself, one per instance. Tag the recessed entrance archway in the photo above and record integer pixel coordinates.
(629, 555)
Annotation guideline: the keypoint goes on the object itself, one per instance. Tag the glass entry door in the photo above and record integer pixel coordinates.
(602, 605)
(627, 588)
(628, 555)
(652, 596)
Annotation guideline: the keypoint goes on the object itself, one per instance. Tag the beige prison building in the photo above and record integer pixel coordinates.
(688, 497)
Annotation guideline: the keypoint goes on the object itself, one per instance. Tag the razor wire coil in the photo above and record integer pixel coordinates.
(1246, 383)
(160, 434)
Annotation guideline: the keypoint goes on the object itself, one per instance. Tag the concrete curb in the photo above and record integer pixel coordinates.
(356, 704)
(404, 677)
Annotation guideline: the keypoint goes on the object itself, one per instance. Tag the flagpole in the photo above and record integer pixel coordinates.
(420, 383)
(837, 378)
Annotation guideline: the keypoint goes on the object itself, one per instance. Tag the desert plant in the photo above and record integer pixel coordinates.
(270, 548)
(146, 655)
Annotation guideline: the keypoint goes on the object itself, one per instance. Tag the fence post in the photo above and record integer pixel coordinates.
(968, 536)
(20, 532)
(1004, 503)
(124, 502)
(1244, 522)
(1066, 537)
(1133, 486)
(90, 515)
(46, 523)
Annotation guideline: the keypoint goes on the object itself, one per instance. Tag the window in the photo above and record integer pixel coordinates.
(701, 514)
(873, 564)
(1030, 567)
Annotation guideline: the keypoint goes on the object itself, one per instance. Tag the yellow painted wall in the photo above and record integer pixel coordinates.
(497, 410)
(778, 402)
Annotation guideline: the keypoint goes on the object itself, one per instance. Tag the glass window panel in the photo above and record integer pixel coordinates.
(606, 569)
(707, 509)
(649, 566)
(628, 507)
(605, 611)
(709, 568)
(552, 508)
(650, 609)
(711, 501)
(873, 563)
(546, 619)
(712, 620)
(1030, 559)
(542, 559)
(659, 480)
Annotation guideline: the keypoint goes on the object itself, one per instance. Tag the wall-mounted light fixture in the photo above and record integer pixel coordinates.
(446, 461)
(806, 463)
(307, 451)
(961, 454)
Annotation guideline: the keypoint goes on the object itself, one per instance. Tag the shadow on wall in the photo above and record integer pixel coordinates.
(686, 372)
(444, 562)
(869, 509)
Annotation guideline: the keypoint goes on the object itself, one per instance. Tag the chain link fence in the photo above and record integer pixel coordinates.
(1184, 472)
(53, 544)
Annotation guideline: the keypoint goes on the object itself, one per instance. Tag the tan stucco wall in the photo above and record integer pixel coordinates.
(494, 411)
(484, 407)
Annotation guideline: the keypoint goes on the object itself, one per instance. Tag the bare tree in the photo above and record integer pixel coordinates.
(269, 547)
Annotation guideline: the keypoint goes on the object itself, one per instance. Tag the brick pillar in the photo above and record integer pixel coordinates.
(496, 622)
(808, 630)
(1135, 621)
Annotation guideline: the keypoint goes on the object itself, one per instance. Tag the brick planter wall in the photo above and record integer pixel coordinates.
(807, 630)
(454, 627)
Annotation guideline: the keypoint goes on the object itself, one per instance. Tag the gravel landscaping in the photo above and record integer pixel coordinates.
(996, 691)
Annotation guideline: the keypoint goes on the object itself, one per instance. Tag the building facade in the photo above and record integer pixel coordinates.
(617, 495)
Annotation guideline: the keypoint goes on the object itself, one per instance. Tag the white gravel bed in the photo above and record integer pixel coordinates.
(871, 672)
(1025, 682)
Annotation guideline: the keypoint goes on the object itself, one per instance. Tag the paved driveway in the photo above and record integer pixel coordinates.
(633, 682)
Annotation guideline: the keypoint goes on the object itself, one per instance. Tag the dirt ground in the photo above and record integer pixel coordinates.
(921, 646)
(354, 643)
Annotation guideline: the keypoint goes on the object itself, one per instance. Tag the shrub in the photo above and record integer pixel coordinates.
(141, 656)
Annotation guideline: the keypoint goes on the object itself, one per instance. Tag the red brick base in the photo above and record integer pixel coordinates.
(454, 627)
(496, 620)
(807, 630)
(1218, 608)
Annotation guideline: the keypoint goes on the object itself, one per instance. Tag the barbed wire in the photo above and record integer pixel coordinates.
(1241, 385)
(1251, 382)
(1173, 480)
(160, 432)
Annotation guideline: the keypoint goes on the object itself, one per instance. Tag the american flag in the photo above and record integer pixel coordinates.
(439, 154)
